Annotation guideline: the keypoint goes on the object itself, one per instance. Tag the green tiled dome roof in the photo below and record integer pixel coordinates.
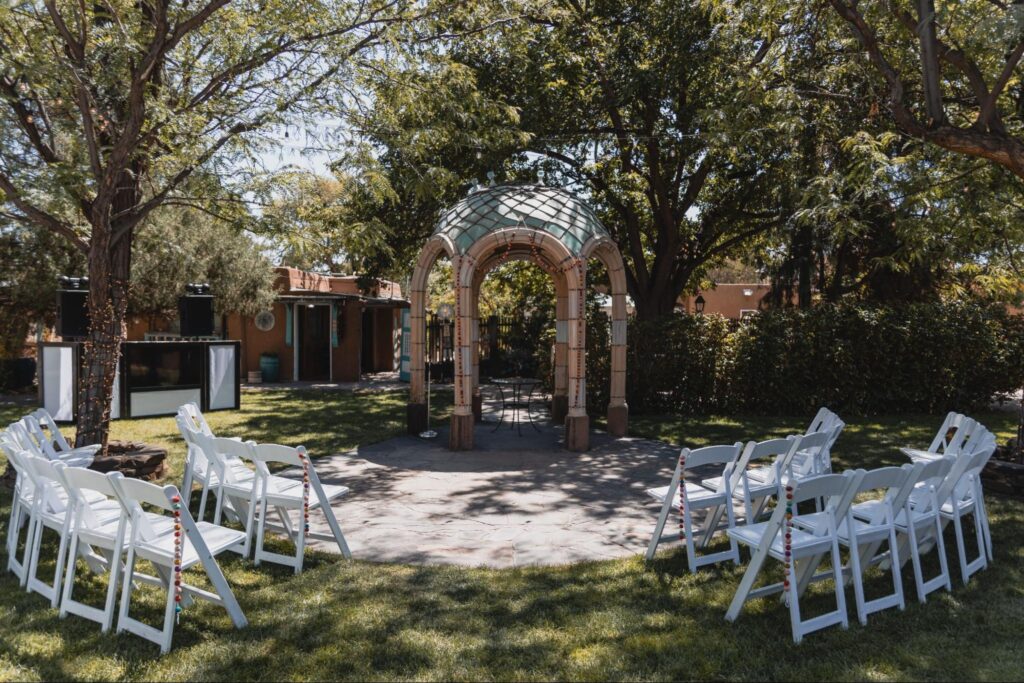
(550, 209)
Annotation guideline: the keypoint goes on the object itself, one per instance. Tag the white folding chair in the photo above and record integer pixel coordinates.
(62, 448)
(211, 467)
(97, 525)
(52, 510)
(755, 490)
(782, 539)
(30, 435)
(685, 497)
(819, 461)
(22, 509)
(173, 544)
(966, 498)
(284, 494)
(863, 537)
(920, 525)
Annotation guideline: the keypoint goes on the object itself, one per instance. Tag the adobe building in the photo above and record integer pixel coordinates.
(732, 301)
(323, 328)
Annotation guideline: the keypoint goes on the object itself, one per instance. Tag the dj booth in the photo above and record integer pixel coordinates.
(152, 378)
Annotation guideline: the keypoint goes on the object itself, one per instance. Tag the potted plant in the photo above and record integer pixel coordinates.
(270, 366)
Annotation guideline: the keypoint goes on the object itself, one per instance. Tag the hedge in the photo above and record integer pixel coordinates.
(854, 358)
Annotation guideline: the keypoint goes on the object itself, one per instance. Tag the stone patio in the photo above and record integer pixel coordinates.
(512, 501)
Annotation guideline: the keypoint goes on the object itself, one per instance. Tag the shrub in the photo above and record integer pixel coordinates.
(854, 358)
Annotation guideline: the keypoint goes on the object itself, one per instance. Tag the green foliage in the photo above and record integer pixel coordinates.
(854, 358)
(30, 263)
(178, 246)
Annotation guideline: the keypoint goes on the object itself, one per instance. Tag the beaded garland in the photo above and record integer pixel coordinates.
(682, 497)
(305, 491)
(176, 507)
(787, 565)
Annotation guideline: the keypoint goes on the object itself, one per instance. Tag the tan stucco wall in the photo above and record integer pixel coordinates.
(728, 300)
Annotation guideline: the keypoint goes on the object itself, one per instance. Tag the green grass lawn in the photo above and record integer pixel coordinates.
(619, 620)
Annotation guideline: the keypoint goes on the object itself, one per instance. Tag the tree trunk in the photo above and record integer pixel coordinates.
(109, 268)
(655, 302)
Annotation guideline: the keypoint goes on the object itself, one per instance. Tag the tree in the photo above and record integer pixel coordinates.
(951, 71)
(640, 105)
(30, 263)
(327, 224)
(182, 245)
(109, 109)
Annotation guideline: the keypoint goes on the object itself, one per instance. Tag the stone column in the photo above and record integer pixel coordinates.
(618, 411)
(416, 410)
(577, 423)
(560, 396)
(461, 433)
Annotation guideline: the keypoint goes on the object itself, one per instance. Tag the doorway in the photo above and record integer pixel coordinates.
(366, 355)
(315, 343)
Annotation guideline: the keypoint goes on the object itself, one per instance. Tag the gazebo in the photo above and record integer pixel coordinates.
(557, 232)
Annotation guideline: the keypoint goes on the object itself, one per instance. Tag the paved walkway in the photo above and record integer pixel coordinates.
(512, 501)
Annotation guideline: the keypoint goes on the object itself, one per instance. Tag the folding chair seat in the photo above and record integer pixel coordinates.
(755, 492)
(685, 497)
(284, 494)
(99, 525)
(173, 544)
(781, 538)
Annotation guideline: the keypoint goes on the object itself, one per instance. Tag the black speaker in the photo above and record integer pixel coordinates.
(72, 313)
(196, 313)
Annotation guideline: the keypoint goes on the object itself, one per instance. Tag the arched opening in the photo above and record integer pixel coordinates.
(557, 232)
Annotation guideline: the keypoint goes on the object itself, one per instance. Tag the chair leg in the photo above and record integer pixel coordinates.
(339, 537)
(300, 541)
(940, 544)
(858, 580)
(794, 616)
(126, 589)
(69, 576)
(169, 612)
(202, 499)
(659, 527)
(960, 549)
(837, 580)
(260, 526)
(58, 572)
(897, 574)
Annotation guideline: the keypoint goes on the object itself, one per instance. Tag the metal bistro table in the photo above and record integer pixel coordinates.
(512, 390)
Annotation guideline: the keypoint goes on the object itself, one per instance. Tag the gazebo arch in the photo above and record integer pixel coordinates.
(559, 233)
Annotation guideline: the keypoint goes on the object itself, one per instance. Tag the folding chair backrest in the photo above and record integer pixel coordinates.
(957, 436)
(35, 430)
(48, 483)
(823, 420)
(272, 452)
(16, 456)
(942, 437)
(46, 420)
(24, 438)
(760, 450)
(195, 416)
(898, 482)
(224, 449)
(714, 455)
(837, 488)
(977, 439)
